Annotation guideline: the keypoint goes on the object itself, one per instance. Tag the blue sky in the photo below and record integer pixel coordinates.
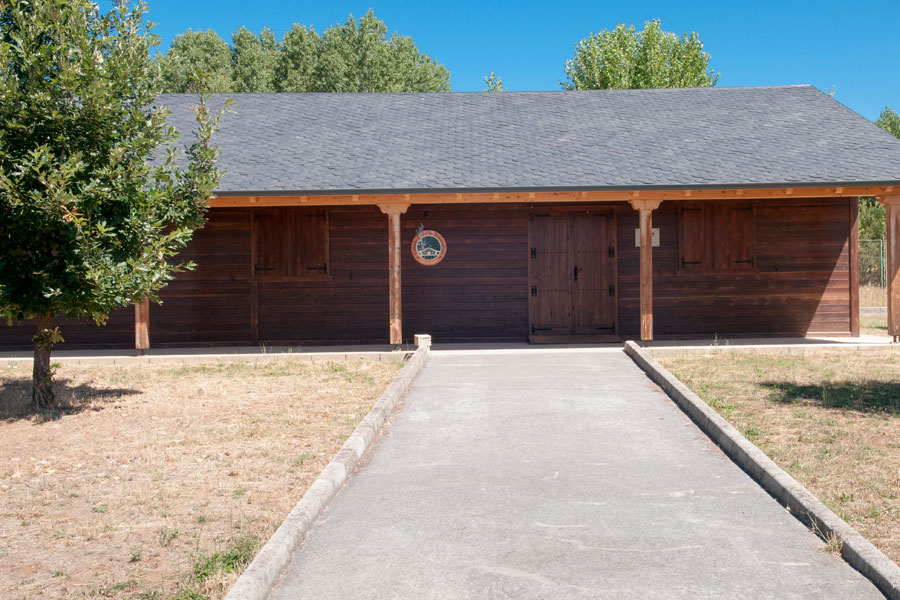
(852, 46)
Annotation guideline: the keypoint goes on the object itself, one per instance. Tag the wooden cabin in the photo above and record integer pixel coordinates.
(524, 216)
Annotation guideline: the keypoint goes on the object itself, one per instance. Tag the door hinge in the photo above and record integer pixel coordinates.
(534, 253)
(612, 290)
(258, 268)
(533, 291)
(536, 329)
(690, 262)
(612, 251)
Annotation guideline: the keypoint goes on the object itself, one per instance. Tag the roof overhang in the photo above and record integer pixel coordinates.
(519, 195)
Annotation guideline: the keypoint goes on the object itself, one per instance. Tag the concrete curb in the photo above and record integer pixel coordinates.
(188, 359)
(769, 348)
(257, 580)
(856, 550)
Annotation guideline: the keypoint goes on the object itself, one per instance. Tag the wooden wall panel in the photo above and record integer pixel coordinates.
(801, 282)
(351, 307)
(118, 332)
(801, 286)
(479, 292)
(211, 304)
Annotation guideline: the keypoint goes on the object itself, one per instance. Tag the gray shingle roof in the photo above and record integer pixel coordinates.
(603, 139)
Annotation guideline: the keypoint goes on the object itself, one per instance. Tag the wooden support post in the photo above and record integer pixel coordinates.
(854, 266)
(892, 204)
(393, 211)
(645, 207)
(142, 325)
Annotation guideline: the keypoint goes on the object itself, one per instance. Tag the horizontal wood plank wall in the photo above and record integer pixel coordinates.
(211, 304)
(800, 284)
(351, 306)
(207, 306)
(118, 332)
(479, 291)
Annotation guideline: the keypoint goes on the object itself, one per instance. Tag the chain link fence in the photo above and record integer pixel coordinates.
(872, 263)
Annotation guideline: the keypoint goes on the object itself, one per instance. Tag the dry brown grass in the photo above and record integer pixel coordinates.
(158, 479)
(831, 419)
(872, 295)
(873, 325)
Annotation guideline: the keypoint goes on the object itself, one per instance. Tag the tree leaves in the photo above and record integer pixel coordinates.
(626, 59)
(889, 120)
(87, 222)
(357, 56)
(872, 214)
(493, 83)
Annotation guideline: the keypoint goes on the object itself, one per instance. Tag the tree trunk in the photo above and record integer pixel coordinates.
(42, 397)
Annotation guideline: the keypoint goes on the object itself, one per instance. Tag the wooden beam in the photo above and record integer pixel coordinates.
(892, 204)
(395, 302)
(854, 265)
(645, 203)
(646, 274)
(142, 325)
(645, 208)
(544, 196)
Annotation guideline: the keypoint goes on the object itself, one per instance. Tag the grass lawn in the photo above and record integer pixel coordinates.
(829, 418)
(162, 481)
(872, 295)
(873, 325)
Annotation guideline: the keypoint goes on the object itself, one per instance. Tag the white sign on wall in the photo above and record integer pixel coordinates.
(637, 238)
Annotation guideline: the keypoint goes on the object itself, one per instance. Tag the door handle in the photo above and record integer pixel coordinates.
(576, 273)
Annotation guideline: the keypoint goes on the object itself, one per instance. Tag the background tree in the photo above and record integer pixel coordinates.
(889, 120)
(254, 59)
(626, 59)
(872, 215)
(87, 223)
(357, 56)
(196, 56)
(493, 83)
(295, 64)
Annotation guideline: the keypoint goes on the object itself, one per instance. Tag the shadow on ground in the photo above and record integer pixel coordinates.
(15, 399)
(863, 396)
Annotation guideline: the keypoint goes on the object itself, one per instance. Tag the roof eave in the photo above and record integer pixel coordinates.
(562, 189)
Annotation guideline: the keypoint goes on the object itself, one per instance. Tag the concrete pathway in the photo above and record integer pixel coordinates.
(554, 474)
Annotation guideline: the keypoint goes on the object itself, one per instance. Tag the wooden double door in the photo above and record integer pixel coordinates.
(572, 276)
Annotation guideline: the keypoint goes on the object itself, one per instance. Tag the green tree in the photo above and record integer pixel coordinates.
(872, 218)
(198, 61)
(295, 64)
(359, 57)
(353, 57)
(493, 83)
(255, 58)
(889, 120)
(627, 59)
(872, 215)
(92, 212)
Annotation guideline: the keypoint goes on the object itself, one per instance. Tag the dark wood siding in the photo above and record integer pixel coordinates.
(479, 291)
(118, 332)
(799, 281)
(351, 306)
(799, 285)
(212, 302)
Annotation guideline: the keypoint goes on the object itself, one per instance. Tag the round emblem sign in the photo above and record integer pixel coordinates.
(429, 247)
